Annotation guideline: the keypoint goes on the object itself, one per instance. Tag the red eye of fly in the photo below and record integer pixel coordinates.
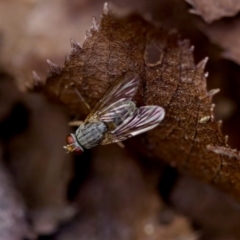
(70, 139)
(73, 145)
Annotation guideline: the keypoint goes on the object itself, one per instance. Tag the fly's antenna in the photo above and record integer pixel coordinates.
(82, 98)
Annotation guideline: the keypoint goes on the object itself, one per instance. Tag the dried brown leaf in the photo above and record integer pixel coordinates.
(189, 137)
(214, 10)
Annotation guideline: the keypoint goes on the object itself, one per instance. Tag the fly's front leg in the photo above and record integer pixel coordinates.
(120, 144)
(78, 123)
(75, 123)
(82, 99)
(73, 86)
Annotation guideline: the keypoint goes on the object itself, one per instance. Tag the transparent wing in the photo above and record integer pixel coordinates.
(118, 112)
(122, 90)
(143, 119)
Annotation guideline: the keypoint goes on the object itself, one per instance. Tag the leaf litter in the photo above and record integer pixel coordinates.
(189, 139)
(214, 10)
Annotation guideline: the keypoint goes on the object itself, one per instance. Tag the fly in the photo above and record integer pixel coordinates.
(115, 117)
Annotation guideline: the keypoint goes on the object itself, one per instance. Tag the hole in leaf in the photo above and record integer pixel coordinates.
(153, 54)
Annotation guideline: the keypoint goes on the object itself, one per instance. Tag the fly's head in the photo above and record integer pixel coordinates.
(72, 144)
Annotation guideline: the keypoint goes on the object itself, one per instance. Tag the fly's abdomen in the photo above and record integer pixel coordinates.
(90, 135)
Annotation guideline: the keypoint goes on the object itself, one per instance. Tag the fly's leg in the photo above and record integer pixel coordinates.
(78, 123)
(72, 85)
(120, 144)
(82, 98)
(75, 123)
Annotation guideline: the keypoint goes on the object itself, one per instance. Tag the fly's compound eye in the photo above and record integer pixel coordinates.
(70, 139)
(72, 144)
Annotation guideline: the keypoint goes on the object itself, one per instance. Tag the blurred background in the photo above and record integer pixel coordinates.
(107, 193)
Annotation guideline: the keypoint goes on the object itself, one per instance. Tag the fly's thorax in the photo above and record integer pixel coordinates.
(90, 134)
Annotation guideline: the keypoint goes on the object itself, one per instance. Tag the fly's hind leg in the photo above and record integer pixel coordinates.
(120, 144)
(75, 123)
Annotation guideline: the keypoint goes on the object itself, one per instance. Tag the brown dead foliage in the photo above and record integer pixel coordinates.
(189, 137)
(13, 223)
(213, 10)
(225, 33)
(118, 193)
(134, 212)
(208, 207)
(27, 121)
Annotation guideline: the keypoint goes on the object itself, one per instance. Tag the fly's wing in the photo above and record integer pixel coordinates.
(143, 119)
(118, 112)
(121, 91)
